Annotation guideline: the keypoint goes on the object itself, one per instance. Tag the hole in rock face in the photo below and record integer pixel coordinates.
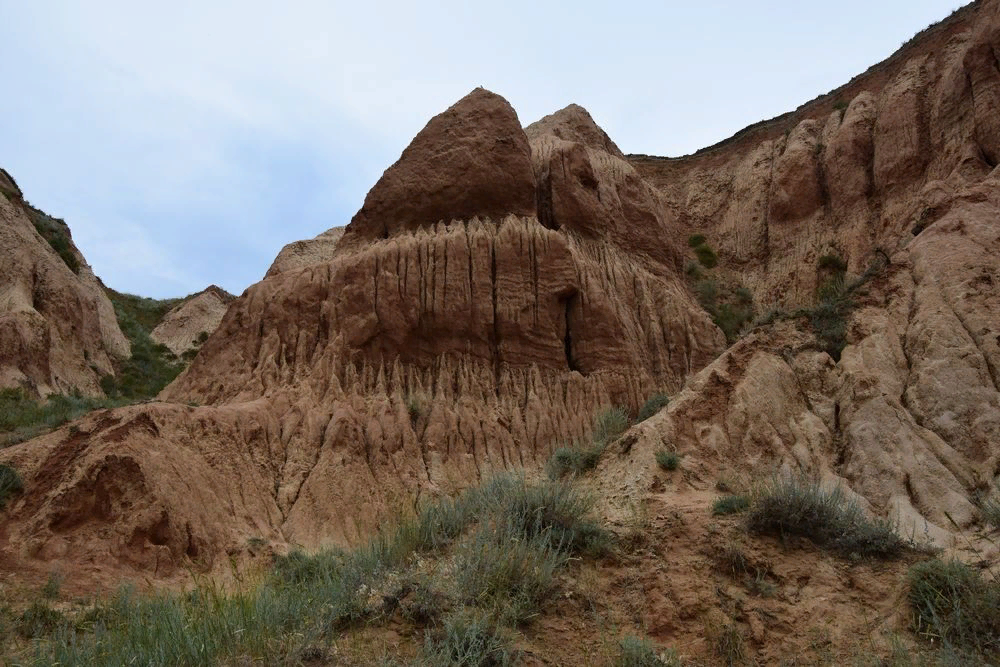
(569, 302)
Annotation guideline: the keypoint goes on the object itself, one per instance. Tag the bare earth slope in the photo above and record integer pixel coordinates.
(501, 284)
(58, 331)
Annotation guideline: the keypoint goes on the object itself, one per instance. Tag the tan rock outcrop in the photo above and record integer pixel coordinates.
(58, 331)
(188, 324)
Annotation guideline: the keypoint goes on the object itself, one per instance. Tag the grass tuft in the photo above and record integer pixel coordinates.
(468, 641)
(732, 504)
(668, 460)
(955, 606)
(609, 424)
(577, 460)
(791, 506)
(653, 404)
(636, 652)
(696, 240)
(706, 256)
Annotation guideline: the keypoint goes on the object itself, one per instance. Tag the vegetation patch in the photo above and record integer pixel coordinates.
(706, 256)
(731, 504)
(668, 460)
(955, 607)
(10, 484)
(989, 509)
(469, 641)
(579, 458)
(792, 506)
(575, 460)
(696, 240)
(22, 416)
(731, 309)
(636, 652)
(653, 404)
(487, 559)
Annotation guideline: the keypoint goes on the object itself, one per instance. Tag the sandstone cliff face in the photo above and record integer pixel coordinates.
(499, 285)
(58, 331)
(188, 324)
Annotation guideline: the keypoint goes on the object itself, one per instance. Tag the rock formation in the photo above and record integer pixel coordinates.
(186, 326)
(501, 284)
(58, 331)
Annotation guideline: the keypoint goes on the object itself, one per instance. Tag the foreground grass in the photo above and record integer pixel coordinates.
(465, 569)
(956, 608)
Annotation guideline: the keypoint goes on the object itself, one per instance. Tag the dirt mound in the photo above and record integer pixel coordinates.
(58, 331)
(191, 322)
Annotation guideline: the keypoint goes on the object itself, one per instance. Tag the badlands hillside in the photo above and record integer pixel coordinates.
(819, 297)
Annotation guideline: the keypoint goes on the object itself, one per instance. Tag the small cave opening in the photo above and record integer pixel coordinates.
(569, 302)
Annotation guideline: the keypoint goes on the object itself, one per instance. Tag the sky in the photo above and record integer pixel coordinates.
(186, 142)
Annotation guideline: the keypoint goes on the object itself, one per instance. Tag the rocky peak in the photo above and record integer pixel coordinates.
(472, 160)
(574, 123)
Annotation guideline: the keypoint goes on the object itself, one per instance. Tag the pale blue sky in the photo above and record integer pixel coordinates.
(186, 143)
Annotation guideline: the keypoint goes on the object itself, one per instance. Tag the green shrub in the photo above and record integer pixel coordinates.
(833, 263)
(706, 256)
(955, 606)
(653, 404)
(636, 652)
(706, 291)
(793, 506)
(558, 510)
(609, 424)
(501, 571)
(468, 641)
(731, 319)
(10, 484)
(668, 460)
(693, 269)
(731, 504)
(575, 460)
(696, 240)
(50, 591)
(39, 620)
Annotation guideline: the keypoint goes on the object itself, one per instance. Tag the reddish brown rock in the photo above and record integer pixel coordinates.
(471, 161)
